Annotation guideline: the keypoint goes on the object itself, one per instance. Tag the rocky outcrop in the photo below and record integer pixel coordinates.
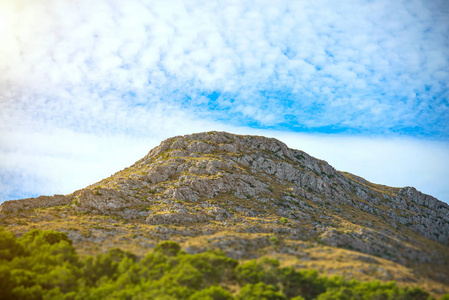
(254, 176)
(102, 200)
(375, 243)
(259, 169)
(175, 218)
(41, 201)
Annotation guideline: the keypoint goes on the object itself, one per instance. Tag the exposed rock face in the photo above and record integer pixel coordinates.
(102, 200)
(219, 176)
(375, 243)
(41, 201)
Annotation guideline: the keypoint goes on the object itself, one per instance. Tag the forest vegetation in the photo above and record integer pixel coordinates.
(44, 265)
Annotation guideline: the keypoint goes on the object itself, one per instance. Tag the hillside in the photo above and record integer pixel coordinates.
(252, 196)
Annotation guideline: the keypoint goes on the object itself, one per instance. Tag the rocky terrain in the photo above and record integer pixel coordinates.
(244, 194)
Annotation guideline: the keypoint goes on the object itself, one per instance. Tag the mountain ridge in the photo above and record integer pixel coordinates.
(224, 190)
(178, 148)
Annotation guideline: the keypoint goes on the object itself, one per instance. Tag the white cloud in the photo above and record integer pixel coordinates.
(189, 48)
(140, 70)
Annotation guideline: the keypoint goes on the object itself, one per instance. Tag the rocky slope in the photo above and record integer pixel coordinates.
(219, 182)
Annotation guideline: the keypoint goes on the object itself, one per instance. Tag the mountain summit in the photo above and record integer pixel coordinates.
(237, 190)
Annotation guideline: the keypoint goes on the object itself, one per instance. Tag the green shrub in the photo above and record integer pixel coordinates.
(214, 265)
(415, 293)
(266, 270)
(9, 246)
(97, 193)
(273, 240)
(212, 293)
(260, 291)
(36, 238)
(187, 275)
(168, 248)
(154, 265)
(106, 265)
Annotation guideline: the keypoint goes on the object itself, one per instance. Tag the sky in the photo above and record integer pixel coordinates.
(89, 87)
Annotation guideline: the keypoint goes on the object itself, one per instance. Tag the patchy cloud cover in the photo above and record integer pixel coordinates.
(87, 87)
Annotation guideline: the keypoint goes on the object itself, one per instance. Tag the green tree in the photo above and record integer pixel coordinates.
(214, 266)
(9, 246)
(260, 291)
(415, 293)
(187, 275)
(168, 248)
(107, 265)
(266, 270)
(213, 292)
(6, 284)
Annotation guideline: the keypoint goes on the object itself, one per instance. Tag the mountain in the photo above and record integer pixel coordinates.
(251, 196)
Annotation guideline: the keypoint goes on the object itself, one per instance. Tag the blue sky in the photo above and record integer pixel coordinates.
(87, 88)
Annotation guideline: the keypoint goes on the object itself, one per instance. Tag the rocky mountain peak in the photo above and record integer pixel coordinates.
(212, 177)
(248, 195)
